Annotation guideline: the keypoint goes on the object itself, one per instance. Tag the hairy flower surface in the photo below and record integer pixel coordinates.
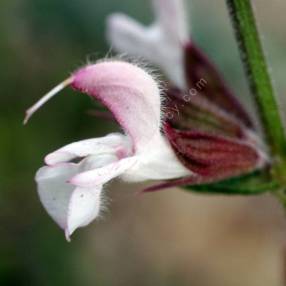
(160, 43)
(203, 136)
(72, 192)
(207, 127)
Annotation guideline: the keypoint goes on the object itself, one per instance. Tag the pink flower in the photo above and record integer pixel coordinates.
(72, 192)
(199, 138)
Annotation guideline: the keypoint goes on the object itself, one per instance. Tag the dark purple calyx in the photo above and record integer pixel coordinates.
(202, 74)
(207, 127)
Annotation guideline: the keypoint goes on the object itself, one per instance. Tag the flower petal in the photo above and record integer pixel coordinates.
(160, 43)
(84, 206)
(129, 36)
(69, 206)
(172, 18)
(54, 192)
(159, 162)
(110, 144)
(100, 176)
(129, 92)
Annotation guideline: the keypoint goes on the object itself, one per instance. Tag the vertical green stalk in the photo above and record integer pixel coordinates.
(247, 35)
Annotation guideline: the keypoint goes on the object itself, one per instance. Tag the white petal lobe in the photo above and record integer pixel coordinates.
(54, 192)
(162, 43)
(84, 207)
(97, 146)
(100, 176)
(70, 206)
(171, 17)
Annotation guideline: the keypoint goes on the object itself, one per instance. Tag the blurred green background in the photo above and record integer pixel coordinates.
(168, 238)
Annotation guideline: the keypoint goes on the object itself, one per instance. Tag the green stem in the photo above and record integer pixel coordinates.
(252, 55)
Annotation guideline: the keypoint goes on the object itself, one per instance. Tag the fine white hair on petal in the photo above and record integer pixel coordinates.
(149, 69)
(70, 206)
(72, 192)
(161, 43)
(144, 65)
(129, 92)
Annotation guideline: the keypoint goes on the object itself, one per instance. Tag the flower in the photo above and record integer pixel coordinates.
(161, 43)
(72, 192)
(190, 140)
(207, 127)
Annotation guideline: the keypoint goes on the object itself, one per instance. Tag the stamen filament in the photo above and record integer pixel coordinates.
(46, 98)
